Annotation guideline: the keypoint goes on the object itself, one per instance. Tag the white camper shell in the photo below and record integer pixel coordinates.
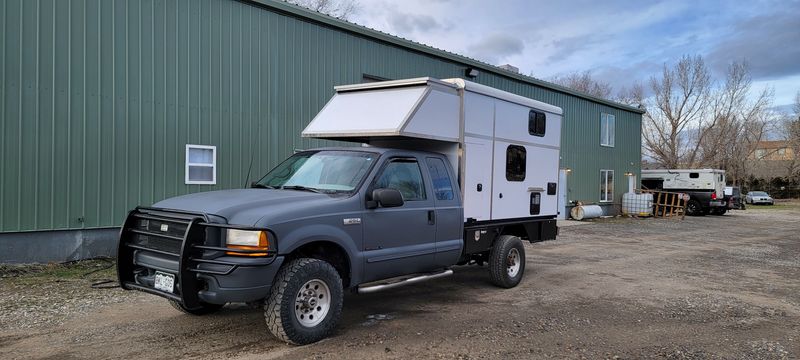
(504, 147)
(688, 179)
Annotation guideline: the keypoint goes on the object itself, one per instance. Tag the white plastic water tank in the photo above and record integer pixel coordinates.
(637, 204)
(581, 212)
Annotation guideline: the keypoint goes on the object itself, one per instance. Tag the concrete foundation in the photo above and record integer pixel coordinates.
(57, 246)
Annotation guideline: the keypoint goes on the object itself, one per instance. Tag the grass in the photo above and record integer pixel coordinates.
(70, 271)
(779, 205)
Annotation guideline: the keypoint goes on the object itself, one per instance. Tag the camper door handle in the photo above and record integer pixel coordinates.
(480, 187)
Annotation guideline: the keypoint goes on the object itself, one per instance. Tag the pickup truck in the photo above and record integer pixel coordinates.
(362, 219)
(705, 188)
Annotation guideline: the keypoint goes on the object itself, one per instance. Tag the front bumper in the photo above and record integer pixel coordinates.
(762, 202)
(150, 242)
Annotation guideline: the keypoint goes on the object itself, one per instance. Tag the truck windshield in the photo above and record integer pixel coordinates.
(320, 171)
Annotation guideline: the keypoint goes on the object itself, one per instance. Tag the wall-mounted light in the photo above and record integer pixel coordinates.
(628, 173)
(567, 170)
(471, 73)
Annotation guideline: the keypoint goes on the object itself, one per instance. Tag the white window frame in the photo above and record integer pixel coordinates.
(607, 121)
(213, 165)
(605, 195)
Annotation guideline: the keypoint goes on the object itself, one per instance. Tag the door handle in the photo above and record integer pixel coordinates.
(431, 217)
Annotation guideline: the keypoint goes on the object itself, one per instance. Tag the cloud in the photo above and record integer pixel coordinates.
(497, 47)
(403, 23)
(770, 43)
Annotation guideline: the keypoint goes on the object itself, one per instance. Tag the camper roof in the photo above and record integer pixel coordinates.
(654, 171)
(424, 108)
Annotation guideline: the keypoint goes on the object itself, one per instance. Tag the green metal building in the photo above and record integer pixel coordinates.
(100, 98)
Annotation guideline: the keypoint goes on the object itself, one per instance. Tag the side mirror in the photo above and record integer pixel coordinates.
(385, 198)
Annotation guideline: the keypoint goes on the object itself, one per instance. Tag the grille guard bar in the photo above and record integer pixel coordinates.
(192, 247)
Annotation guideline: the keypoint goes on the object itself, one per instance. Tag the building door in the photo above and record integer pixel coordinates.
(631, 183)
(562, 194)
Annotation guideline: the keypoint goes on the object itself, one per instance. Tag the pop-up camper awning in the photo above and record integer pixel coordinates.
(423, 108)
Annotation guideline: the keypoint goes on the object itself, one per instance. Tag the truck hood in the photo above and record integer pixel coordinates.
(247, 206)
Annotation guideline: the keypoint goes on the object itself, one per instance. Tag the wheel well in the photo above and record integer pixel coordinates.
(516, 230)
(329, 252)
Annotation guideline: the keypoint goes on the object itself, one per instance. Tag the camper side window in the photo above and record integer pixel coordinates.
(516, 156)
(537, 122)
(694, 175)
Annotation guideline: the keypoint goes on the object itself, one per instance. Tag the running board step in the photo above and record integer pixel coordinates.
(367, 288)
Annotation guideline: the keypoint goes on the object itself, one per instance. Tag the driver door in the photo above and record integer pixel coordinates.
(400, 240)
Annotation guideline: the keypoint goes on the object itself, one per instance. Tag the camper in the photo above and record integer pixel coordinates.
(443, 173)
(705, 188)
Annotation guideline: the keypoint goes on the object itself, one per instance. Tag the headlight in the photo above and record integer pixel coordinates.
(247, 240)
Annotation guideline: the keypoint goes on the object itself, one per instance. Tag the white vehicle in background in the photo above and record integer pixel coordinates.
(705, 188)
(759, 198)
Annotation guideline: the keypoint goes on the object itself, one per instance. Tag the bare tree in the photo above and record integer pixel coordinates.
(583, 82)
(342, 9)
(739, 123)
(791, 133)
(675, 123)
(631, 96)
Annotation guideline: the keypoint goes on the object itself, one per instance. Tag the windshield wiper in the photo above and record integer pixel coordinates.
(301, 187)
(262, 186)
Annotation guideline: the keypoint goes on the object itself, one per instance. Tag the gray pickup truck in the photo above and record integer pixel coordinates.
(321, 222)
(453, 173)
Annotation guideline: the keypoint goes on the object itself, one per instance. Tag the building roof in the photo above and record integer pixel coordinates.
(304, 13)
(772, 144)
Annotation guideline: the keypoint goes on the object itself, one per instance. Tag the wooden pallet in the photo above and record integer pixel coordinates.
(668, 204)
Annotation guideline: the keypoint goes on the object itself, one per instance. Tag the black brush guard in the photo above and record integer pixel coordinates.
(188, 250)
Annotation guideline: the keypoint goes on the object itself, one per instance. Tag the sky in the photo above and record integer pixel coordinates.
(618, 42)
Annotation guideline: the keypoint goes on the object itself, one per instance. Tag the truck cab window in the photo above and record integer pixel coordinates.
(515, 163)
(404, 176)
(442, 187)
(537, 122)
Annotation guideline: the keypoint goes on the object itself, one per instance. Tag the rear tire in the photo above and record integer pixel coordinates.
(507, 261)
(204, 309)
(693, 208)
(305, 303)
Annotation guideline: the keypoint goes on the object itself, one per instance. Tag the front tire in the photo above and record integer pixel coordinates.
(305, 303)
(507, 261)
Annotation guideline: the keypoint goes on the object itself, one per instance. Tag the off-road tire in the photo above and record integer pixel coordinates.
(499, 261)
(279, 309)
(204, 309)
(693, 208)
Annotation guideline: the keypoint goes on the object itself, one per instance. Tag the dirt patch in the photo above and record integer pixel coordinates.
(713, 287)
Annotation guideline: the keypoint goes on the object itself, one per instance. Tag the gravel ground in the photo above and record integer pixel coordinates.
(714, 287)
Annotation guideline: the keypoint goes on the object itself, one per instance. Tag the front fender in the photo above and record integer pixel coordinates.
(296, 237)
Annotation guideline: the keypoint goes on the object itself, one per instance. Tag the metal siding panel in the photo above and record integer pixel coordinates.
(103, 105)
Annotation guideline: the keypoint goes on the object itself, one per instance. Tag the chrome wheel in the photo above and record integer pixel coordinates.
(513, 263)
(312, 303)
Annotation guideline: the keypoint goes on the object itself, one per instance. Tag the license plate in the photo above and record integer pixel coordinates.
(164, 282)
